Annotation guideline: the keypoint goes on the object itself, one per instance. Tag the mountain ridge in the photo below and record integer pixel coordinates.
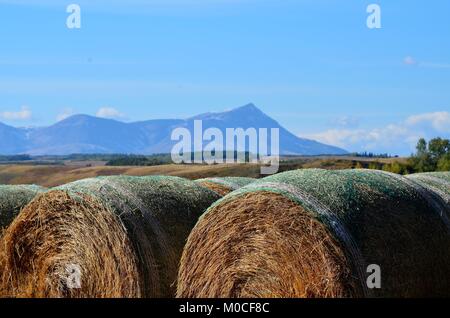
(89, 134)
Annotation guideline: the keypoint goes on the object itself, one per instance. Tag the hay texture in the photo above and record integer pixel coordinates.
(13, 198)
(439, 182)
(225, 185)
(124, 234)
(314, 233)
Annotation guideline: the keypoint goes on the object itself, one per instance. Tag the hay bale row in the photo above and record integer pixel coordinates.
(225, 185)
(438, 182)
(13, 198)
(314, 233)
(124, 234)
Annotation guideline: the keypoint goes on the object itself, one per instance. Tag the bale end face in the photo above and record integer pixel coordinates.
(221, 190)
(60, 246)
(263, 245)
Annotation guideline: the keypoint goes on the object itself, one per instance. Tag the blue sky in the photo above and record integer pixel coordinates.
(313, 65)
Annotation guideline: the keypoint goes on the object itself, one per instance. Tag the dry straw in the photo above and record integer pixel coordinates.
(313, 233)
(225, 185)
(125, 234)
(13, 198)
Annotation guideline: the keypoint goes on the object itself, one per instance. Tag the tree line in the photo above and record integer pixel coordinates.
(430, 156)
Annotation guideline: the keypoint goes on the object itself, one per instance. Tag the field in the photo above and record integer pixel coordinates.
(54, 175)
(50, 176)
(133, 237)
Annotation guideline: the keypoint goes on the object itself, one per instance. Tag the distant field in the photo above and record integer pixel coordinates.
(54, 175)
(50, 176)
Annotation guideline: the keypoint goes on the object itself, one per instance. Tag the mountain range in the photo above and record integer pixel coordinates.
(82, 134)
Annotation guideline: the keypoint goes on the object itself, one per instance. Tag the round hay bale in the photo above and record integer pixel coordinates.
(225, 185)
(124, 234)
(13, 198)
(439, 182)
(58, 234)
(314, 233)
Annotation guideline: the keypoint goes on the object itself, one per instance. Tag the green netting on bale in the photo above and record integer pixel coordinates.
(233, 183)
(13, 198)
(438, 182)
(380, 218)
(444, 175)
(158, 213)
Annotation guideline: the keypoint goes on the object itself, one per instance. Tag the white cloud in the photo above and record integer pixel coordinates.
(399, 138)
(363, 139)
(109, 112)
(67, 112)
(409, 60)
(23, 114)
(439, 121)
(337, 137)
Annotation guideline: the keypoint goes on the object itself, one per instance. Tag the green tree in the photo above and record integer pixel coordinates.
(374, 166)
(421, 147)
(395, 167)
(438, 147)
(431, 156)
(444, 163)
(422, 163)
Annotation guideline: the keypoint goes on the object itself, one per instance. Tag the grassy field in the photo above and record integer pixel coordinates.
(54, 175)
